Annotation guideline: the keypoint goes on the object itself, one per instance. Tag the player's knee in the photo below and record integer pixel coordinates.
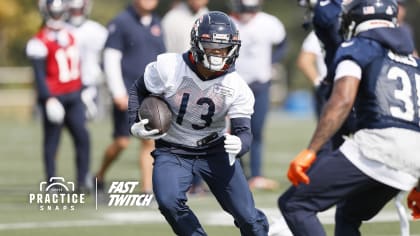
(122, 143)
(253, 225)
(285, 205)
(259, 227)
(168, 203)
(148, 143)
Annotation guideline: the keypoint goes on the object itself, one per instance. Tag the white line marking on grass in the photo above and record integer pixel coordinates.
(217, 217)
(57, 224)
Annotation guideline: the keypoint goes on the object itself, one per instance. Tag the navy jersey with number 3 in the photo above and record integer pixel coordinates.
(389, 92)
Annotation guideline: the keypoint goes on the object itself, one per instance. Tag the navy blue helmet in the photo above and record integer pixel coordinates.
(361, 15)
(215, 30)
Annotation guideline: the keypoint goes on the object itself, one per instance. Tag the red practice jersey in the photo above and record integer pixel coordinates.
(62, 61)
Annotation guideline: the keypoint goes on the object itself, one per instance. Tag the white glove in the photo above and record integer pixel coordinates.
(138, 130)
(55, 110)
(88, 96)
(233, 146)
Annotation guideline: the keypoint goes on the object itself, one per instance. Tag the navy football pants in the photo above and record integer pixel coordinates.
(334, 181)
(172, 177)
(75, 121)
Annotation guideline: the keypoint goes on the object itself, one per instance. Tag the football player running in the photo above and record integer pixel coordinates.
(202, 88)
(55, 61)
(376, 74)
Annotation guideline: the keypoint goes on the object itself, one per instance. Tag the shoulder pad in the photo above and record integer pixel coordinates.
(360, 50)
(36, 49)
(167, 63)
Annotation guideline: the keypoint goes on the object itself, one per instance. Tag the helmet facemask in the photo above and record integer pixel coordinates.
(217, 62)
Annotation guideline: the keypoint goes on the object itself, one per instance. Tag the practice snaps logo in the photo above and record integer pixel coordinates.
(57, 195)
(121, 193)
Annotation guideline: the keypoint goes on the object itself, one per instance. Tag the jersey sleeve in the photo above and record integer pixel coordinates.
(362, 51)
(160, 76)
(92, 45)
(152, 79)
(279, 31)
(115, 35)
(243, 105)
(100, 34)
(311, 44)
(36, 49)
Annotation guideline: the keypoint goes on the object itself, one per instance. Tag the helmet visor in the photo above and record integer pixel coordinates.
(212, 45)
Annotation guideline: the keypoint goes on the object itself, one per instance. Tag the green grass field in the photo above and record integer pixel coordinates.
(21, 171)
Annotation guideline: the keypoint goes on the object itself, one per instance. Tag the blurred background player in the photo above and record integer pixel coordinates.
(91, 38)
(134, 39)
(202, 88)
(55, 61)
(326, 24)
(263, 39)
(177, 22)
(372, 70)
(311, 62)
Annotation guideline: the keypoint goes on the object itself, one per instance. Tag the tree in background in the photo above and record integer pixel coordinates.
(19, 19)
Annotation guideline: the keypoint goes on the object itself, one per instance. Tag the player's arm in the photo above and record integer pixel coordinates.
(306, 62)
(112, 69)
(347, 80)
(137, 93)
(238, 142)
(279, 40)
(39, 66)
(37, 53)
(241, 127)
(338, 106)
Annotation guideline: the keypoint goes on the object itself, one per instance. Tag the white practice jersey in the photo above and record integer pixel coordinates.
(389, 155)
(177, 24)
(199, 107)
(91, 37)
(258, 37)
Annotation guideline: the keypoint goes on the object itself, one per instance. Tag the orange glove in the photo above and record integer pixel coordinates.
(299, 166)
(413, 202)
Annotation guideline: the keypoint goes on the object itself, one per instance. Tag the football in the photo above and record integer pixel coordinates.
(157, 112)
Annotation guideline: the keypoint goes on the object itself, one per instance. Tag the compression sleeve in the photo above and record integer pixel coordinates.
(39, 66)
(241, 127)
(137, 93)
(112, 68)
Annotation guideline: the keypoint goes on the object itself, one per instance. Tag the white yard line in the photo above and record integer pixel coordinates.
(153, 216)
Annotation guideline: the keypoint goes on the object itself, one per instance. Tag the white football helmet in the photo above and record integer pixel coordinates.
(54, 12)
(79, 11)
